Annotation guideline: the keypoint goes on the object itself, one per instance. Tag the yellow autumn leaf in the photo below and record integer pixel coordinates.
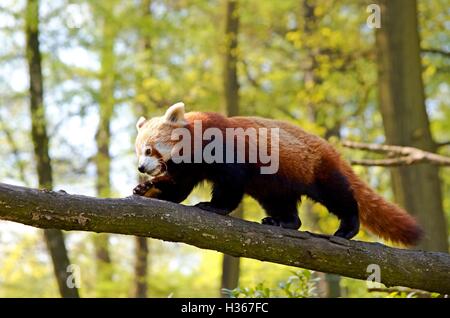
(149, 83)
(293, 36)
(429, 71)
(318, 11)
(325, 32)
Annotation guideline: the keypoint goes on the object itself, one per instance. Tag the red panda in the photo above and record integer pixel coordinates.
(308, 165)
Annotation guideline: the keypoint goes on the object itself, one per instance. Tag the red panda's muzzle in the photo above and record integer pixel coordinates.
(155, 171)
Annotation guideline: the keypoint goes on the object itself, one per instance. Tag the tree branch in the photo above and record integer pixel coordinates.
(173, 222)
(442, 144)
(406, 155)
(443, 53)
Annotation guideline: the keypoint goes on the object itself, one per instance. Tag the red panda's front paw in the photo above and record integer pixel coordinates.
(142, 188)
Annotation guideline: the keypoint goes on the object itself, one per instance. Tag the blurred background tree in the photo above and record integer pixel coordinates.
(230, 264)
(54, 239)
(405, 119)
(316, 64)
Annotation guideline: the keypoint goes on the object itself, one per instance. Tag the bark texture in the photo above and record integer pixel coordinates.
(177, 223)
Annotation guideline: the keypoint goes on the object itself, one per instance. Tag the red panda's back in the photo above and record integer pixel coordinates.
(299, 152)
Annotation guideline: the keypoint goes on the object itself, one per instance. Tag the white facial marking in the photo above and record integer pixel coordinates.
(150, 163)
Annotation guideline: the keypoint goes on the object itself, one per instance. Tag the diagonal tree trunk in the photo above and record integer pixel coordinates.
(53, 238)
(230, 264)
(405, 120)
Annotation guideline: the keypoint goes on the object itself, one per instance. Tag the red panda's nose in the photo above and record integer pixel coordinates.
(141, 169)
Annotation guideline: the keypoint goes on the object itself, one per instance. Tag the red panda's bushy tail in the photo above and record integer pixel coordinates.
(381, 217)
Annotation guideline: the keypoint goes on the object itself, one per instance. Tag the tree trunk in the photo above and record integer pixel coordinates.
(144, 64)
(230, 79)
(402, 103)
(103, 138)
(230, 264)
(54, 238)
(177, 223)
(140, 267)
(142, 108)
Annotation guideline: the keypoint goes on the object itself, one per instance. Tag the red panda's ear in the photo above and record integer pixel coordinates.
(141, 121)
(175, 114)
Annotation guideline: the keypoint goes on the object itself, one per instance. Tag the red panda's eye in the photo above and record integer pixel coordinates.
(148, 152)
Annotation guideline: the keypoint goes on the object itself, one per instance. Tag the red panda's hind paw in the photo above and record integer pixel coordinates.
(292, 222)
(348, 228)
(207, 206)
(142, 188)
(270, 221)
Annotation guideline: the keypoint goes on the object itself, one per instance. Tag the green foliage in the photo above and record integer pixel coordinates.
(317, 71)
(302, 284)
(401, 292)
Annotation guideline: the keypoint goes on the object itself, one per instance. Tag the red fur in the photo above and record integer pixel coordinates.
(306, 159)
(385, 219)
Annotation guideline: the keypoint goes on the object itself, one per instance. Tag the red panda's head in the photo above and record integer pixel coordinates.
(154, 143)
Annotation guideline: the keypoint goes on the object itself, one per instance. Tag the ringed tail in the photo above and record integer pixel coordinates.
(385, 219)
